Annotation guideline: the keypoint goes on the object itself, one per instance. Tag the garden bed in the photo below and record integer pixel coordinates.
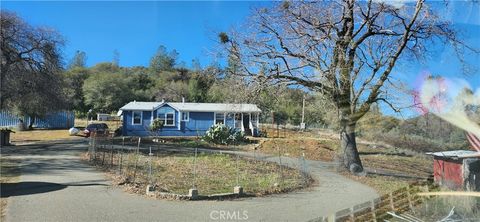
(213, 175)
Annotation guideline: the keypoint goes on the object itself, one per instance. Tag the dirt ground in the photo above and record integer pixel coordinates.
(383, 161)
(36, 135)
(40, 135)
(214, 173)
(9, 173)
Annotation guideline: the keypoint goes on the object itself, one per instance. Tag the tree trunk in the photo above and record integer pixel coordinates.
(32, 121)
(351, 158)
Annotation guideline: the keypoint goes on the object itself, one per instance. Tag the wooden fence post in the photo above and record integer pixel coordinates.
(390, 195)
(103, 158)
(409, 197)
(111, 154)
(331, 218)
(372, 208)
(352, 214)
(136, 159)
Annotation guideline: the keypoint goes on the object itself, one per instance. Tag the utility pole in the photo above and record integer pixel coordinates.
(302, 125)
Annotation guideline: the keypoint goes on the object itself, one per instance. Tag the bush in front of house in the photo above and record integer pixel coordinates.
(262, 133)
(221, 134)
(156, 125)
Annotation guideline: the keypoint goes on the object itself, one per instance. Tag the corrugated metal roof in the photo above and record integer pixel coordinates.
(199, 107)
(456, 153)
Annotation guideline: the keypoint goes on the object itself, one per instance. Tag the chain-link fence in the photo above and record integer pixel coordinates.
(139, 162)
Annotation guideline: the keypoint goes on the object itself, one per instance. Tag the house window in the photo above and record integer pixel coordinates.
(167, 118)
(137, 118)
(219, 118)
(185, 116)
(254, 120)
(238, 120)
(170, 119)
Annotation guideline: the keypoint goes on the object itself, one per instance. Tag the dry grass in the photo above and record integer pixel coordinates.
(466, 208)
(112, 125)
(313, 149)
(417, 167)
(214, 174)
(288, 133)
(382, 184)
(324, 146)
(9, 173)
(55, 134)
(40, 135)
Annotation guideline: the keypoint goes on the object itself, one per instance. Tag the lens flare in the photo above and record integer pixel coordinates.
(449, 99)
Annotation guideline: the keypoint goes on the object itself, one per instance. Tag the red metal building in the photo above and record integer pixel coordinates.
(458, 170)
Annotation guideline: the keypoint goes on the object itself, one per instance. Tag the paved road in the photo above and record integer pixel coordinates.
(57, 186)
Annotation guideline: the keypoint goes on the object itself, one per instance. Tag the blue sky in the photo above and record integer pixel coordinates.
(136, 29)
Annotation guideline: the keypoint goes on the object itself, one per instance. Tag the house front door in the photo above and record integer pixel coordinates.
(246, 122)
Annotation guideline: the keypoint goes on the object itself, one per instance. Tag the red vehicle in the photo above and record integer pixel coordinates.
(99, 128)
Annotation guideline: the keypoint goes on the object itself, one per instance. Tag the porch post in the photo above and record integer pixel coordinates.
(179, 120)
(243, 128)
(250, 124)
(151, 118)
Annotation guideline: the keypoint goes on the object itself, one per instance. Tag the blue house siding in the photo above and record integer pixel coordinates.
(136, 130)
(197, 125)
(199, 121)
(57, 120)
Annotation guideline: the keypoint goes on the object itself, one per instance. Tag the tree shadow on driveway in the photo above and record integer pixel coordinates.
(36, 187)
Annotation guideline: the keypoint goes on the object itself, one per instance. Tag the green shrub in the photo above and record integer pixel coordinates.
(156, 125)
(221, 134)
(262, 133)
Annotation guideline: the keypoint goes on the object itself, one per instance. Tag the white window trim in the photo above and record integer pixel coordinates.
(165, 118)
(215, 118)
(173, 113)
(133, 117)
(188, 116)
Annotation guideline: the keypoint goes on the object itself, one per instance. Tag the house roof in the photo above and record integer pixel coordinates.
(198, 107)
(456, 154)
(216, 107)
(141, 105)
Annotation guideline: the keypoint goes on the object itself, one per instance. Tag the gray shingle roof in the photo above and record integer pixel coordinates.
(215, 107)
(141, 105)
(195, 107)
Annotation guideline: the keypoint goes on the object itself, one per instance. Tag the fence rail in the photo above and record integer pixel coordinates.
(399, 201)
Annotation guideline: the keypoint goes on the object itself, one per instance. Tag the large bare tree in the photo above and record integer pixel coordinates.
(30, 73)
(345, 50)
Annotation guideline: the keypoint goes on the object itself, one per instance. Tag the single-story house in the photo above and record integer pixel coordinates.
(187, 119)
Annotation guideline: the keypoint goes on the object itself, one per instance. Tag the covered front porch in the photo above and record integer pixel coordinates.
(246, 122)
